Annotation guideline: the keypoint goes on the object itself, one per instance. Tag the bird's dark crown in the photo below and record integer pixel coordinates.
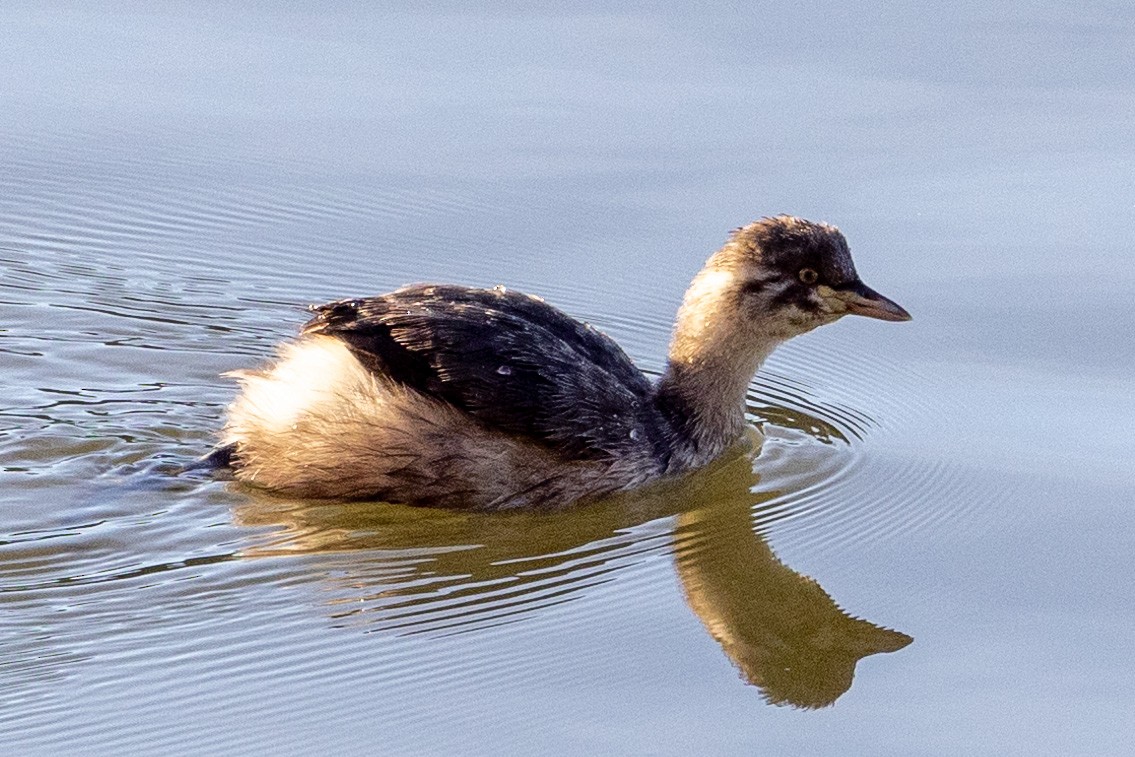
(788, 244)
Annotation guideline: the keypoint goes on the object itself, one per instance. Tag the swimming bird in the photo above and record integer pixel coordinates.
(491, 399)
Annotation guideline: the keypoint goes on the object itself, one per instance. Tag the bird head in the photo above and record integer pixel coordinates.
(792, 275)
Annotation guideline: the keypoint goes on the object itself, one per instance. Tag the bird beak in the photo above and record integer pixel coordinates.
(861, 299)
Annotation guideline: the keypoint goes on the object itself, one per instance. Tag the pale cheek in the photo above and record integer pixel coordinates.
(797, 321)
(831, 304)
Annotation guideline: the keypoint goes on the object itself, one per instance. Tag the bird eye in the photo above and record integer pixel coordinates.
(809, 275)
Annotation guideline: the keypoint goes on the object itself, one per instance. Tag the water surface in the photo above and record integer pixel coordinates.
(929, 554)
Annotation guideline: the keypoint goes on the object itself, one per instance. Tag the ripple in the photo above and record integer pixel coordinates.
(812, 488)
(832, 473)
(223, 212)
(443, 573)
(127, 287)
(865, 488)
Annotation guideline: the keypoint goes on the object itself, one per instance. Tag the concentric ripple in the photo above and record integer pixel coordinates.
(121, 306)
(812, 482)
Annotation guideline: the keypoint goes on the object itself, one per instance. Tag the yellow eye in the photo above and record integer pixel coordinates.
(809, 275)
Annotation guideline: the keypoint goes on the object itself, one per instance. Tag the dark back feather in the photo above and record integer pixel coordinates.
(512, 361)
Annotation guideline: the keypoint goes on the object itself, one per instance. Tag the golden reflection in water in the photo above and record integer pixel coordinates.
(785, 634)
(434, 571)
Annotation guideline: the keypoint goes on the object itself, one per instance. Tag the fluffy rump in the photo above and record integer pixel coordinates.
(318, 423)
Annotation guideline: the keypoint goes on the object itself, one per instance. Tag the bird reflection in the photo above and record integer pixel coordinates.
(434, 571)
(784, 633)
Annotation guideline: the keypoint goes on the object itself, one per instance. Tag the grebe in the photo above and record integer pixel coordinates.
(450, 396)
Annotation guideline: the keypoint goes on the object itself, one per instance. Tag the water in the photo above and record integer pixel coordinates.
(177, 184)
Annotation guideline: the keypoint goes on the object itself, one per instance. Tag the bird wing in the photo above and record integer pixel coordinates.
(511, 360)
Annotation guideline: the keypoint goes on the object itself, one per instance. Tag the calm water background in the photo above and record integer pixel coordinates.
(175, 184)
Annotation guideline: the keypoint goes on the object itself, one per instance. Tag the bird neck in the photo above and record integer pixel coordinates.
(704, 401)
(714, 353)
